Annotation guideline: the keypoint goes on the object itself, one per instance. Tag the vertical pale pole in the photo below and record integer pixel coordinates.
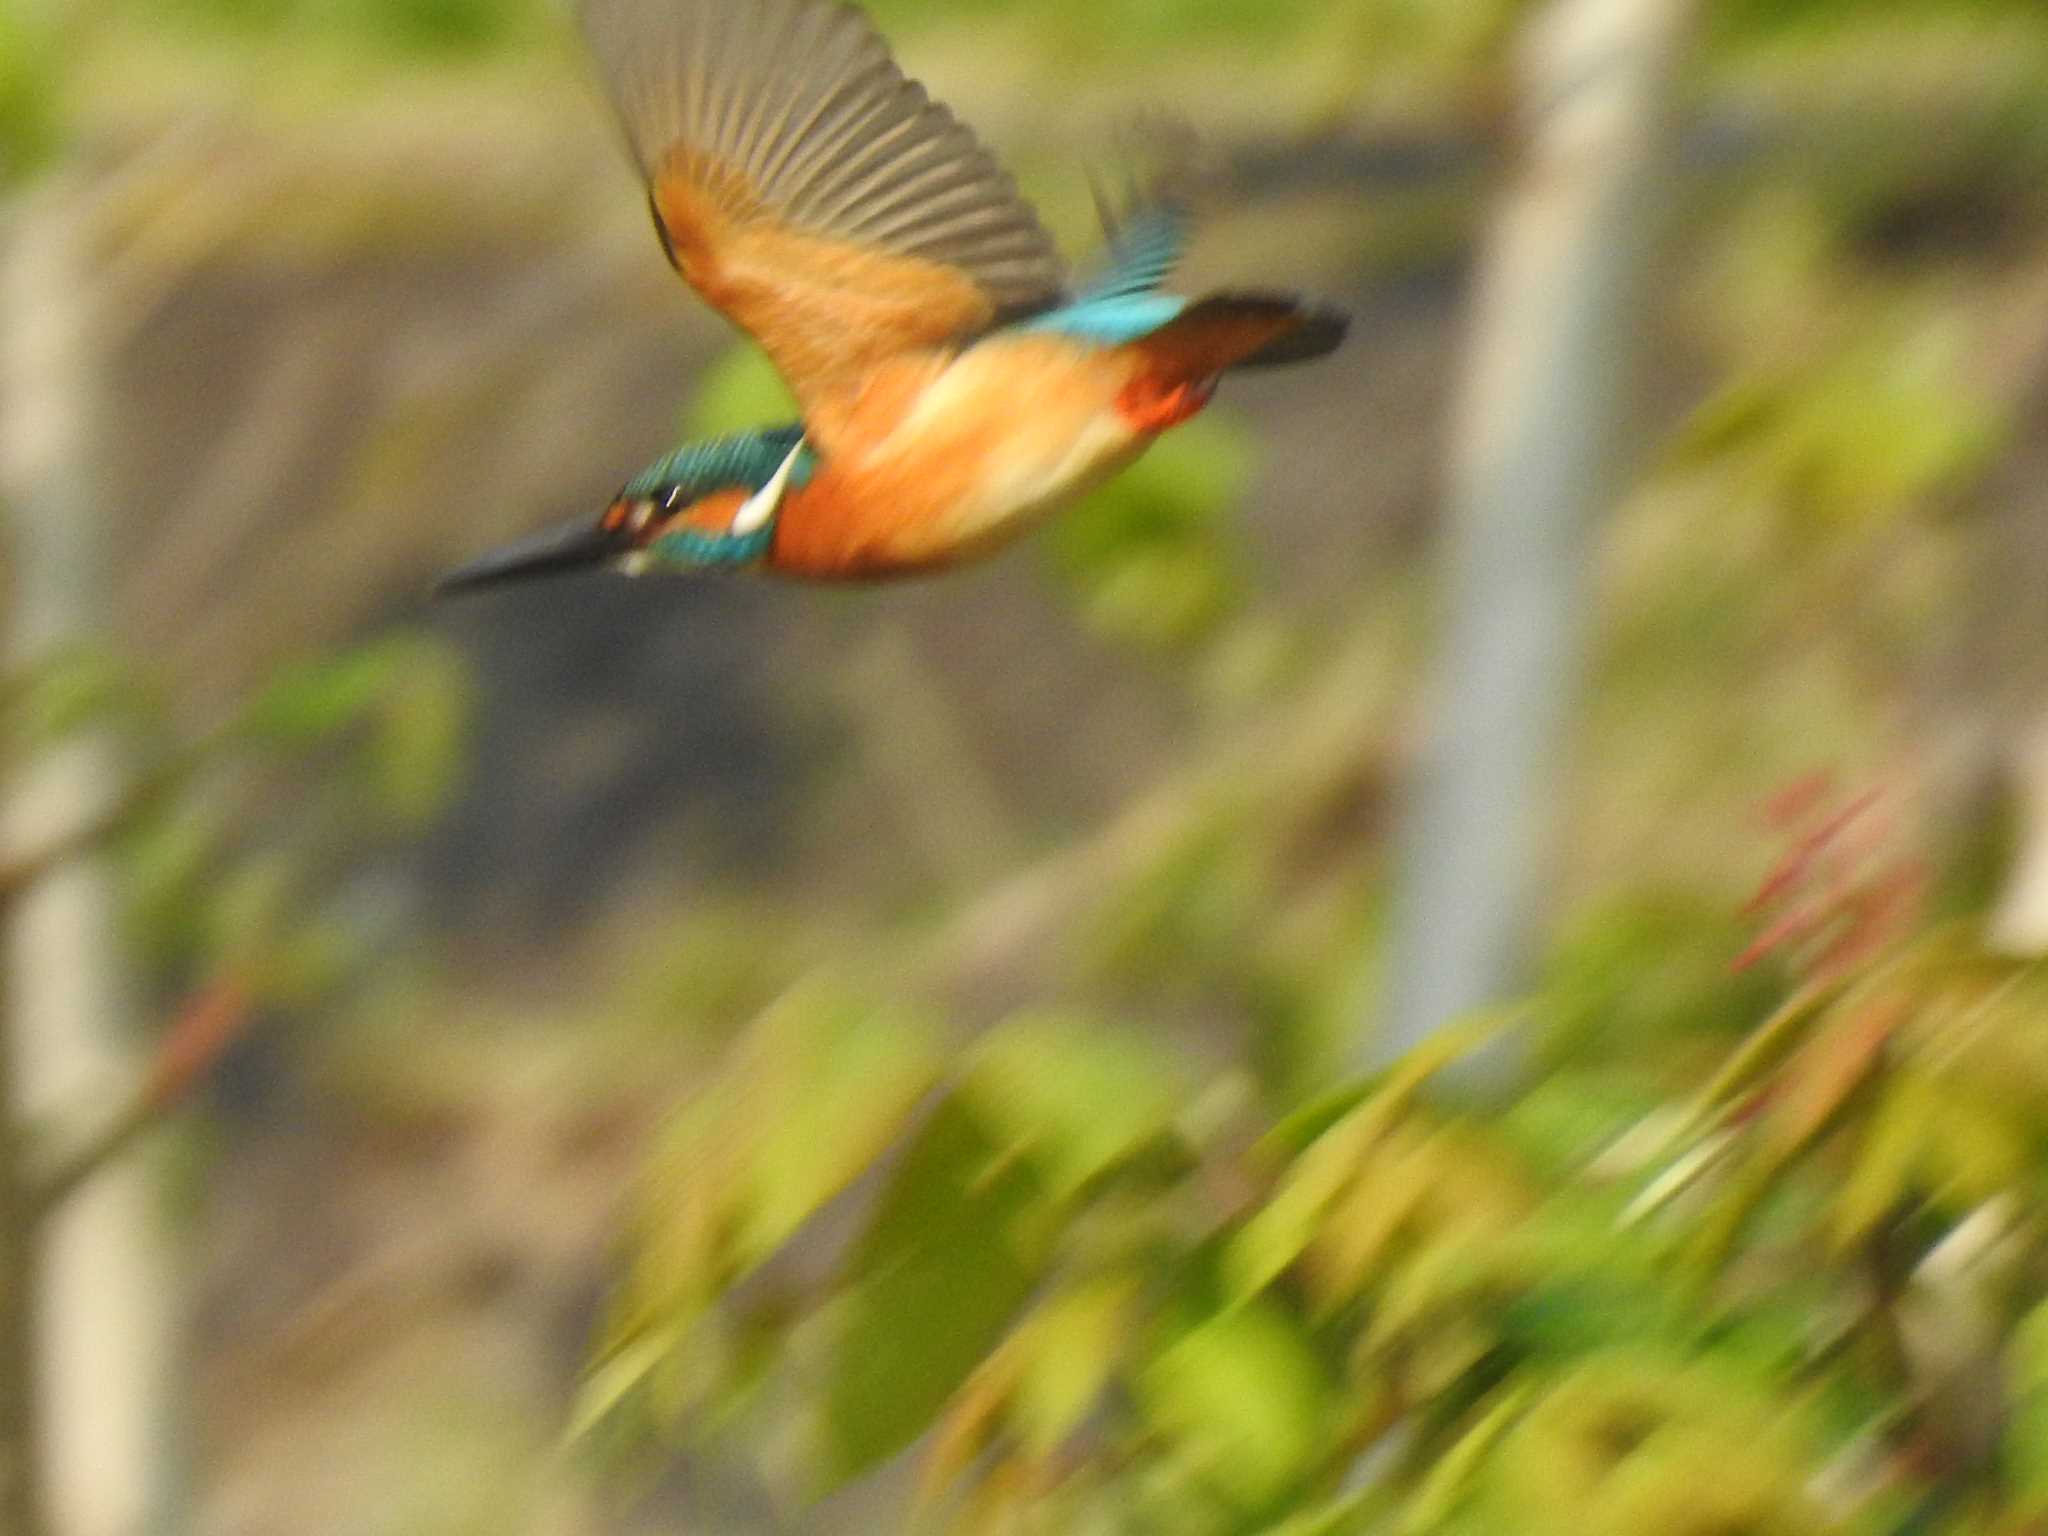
(1557, 330)
(105, 1292)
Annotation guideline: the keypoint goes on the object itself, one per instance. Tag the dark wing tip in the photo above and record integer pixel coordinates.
(1321, 331)
(1312, 329)
(1303, 329)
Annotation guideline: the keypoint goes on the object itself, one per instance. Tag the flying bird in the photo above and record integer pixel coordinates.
(955, 385)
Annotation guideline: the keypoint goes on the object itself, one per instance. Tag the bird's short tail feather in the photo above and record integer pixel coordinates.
(1228, 331)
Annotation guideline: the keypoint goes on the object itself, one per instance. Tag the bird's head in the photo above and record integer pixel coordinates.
(712, 504)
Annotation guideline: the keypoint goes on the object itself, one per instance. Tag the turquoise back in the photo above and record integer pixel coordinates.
(1121, 301)
(1112, 321)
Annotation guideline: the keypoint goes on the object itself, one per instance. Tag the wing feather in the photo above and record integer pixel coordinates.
(809, 189)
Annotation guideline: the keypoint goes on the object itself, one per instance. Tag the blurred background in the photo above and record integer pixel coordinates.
(719, 1056)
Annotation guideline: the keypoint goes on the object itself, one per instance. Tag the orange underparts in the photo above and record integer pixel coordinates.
(1152, 404)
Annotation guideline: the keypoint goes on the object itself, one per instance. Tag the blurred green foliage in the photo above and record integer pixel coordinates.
(1762, 1251)
(429, 28)
(1769, 18)
(1153, 558)
(239, 836)
(1102, 1297)
(468, 26)
(1414, 39)
(28, 130)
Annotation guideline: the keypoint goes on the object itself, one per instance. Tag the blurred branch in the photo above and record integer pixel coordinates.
(1555, 337)
(1284, 766)
(21, 1448)
(1287, 762)
(211, 1020)
(89, 832)
(89, 1296)
(943, 799)
(249, 470)
(1989, 696)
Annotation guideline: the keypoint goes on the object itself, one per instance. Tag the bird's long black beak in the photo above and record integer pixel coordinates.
(556, 552)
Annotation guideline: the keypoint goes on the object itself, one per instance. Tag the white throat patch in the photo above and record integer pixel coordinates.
(755, 511)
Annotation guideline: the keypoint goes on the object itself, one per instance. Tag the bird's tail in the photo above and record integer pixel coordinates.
(1228, 331)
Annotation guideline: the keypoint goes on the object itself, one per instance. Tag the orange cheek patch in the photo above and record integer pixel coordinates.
(711, 516)
(1150, 404)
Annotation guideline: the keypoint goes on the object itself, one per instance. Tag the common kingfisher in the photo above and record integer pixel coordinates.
(954, 387)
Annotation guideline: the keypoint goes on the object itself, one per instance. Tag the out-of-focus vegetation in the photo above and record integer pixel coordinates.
(1761, 1248)
(1760, 1245)
(237, 842)
(1106, 1290)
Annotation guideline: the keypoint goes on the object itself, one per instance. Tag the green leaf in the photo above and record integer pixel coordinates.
(1073, 1096)
(1350, 1512)
(1151, 555)
(29, 129)
(814, 1093)
(416, 750)
(70, 690)
(828, 1080)
(678, 1264)
(1760, 1051)
(1976, 1150)
(305, 961)
(312, 702)
(1244, 1403)
(613, 1378)
(1447, 1482)
(1282, 1229)
(1382, 1211)
(1733, 418)
(250, 906)
(951, 1256)
(1301, 1128)
(2027, 1441)
(1887, 1160)
(171, 862)
(1279, 1233)
(443, 27)
(1071, 1346)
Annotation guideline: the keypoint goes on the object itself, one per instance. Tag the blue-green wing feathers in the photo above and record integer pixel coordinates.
(1120, 300)
(1111, 321)
(743, 459)
(1142, 250)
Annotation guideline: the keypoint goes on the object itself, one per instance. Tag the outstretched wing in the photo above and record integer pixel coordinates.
(1139, 255)
(808, 189)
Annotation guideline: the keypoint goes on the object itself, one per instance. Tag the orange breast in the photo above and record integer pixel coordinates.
(939, 457)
